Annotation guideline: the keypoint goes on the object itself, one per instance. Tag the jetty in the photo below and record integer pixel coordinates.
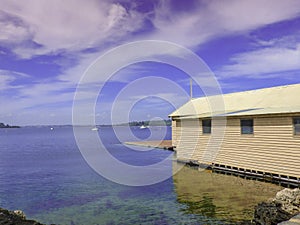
(164, 144)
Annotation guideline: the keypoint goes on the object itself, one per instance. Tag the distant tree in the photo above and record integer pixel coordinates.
(152, 123)
(2, 125)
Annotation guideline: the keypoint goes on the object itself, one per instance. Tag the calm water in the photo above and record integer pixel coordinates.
(43, 173)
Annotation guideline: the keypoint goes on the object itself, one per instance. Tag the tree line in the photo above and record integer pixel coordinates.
(2, 125)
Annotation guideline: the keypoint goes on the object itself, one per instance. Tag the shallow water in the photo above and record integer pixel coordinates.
(43, 173)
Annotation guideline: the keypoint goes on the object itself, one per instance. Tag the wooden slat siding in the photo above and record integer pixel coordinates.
(213, 143)
(188, 135)
(192, 143)
(174, 137)
(176, 130)
(273, 147)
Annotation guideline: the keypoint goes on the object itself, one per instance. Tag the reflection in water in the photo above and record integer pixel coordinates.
(204, 207)
(220, 196)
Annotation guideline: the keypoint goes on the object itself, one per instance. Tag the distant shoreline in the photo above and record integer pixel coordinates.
(2, 125)
(155, 123)
(97, 125)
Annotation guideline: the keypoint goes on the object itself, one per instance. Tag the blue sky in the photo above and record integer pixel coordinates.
(45, 47)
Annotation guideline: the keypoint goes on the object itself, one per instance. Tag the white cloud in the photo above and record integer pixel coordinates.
(124, 106)
(123, 62)
(5, 80)
(28, 100)
(12, 32)
(218, 18)
(77, 25)
(72, 25)
(30, 104)
(239, 15)
(288, 41)
(7, 77)
(258, 63)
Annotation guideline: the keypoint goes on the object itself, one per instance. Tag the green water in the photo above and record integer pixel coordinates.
(224, 197)
(191, 197)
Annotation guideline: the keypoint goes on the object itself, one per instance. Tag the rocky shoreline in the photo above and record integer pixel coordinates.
(282, 208)
(16, 217)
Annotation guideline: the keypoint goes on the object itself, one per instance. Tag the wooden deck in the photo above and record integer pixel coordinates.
(164, 144)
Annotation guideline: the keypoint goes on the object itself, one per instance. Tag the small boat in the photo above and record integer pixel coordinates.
(51, 128)
(94, 129)
(144, 127)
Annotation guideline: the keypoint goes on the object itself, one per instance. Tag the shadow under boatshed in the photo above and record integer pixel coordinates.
(257, 132)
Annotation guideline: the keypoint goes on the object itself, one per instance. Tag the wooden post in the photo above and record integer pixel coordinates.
(191, 88)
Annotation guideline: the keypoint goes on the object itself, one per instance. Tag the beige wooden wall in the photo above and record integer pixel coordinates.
(174, 128)
(272, 148)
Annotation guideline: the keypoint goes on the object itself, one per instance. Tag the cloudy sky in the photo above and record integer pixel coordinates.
(46, 46)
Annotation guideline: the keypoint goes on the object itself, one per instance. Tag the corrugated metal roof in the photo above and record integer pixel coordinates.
(281, 99)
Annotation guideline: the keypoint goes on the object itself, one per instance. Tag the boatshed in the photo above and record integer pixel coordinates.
(260, 135)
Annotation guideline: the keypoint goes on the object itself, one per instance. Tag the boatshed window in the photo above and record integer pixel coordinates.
(206, 126)
(247, 126)
(297, 126)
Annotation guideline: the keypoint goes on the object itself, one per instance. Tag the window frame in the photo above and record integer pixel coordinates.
(204, 131)
(296, 133)
(178, 123)
(242, 126)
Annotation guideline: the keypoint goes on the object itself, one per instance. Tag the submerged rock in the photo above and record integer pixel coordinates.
(284, 206)
(269, 213)
(16, 217)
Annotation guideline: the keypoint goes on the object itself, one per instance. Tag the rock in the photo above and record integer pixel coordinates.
(269, 214)
(284, 206)
(294, 221)
(16, 217)
(289, 200)
(20, 213)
